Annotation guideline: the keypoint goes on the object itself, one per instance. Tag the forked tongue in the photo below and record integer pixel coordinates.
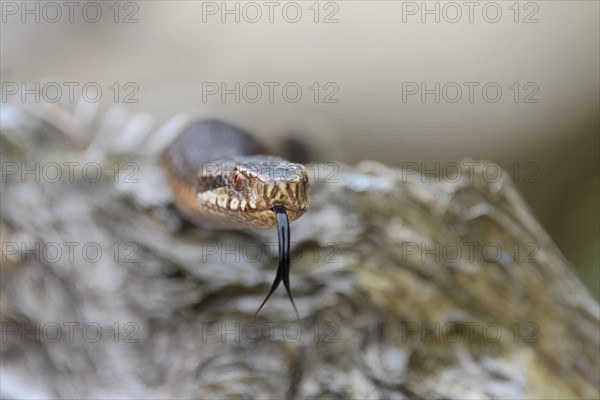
(283, 267)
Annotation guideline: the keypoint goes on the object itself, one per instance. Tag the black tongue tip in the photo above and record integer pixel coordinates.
(283, 267)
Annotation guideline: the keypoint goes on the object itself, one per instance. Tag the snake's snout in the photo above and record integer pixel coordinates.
(290, 192)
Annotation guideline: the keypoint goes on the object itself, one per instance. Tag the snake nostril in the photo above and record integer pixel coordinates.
(238, 180)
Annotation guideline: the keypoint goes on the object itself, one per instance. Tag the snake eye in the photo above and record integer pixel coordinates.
(238, 180)
(305, 178)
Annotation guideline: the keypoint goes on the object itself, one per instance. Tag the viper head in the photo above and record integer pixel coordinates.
(243, 192)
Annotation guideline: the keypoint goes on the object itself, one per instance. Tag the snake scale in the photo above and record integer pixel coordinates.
(221, 176)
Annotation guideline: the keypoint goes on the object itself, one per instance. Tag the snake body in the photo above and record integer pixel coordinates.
(221, 176)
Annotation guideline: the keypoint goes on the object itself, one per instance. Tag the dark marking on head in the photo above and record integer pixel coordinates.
(209, 182)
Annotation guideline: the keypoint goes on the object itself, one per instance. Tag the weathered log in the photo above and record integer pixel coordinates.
(408, 287)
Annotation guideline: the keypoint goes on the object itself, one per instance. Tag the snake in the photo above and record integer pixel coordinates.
(222, 177)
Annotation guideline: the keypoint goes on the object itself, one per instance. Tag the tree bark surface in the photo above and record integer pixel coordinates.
(408, 287)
